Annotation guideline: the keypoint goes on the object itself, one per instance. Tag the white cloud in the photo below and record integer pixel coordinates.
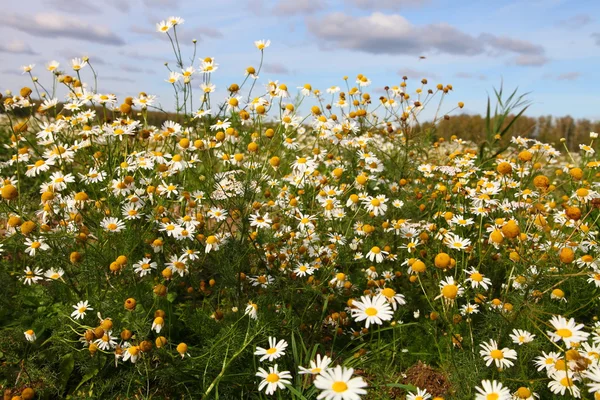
(568, 76)
(16, 47)
(392, 34)
(381, 33)
(416, 74)
(52, 25)
(296, 7)
(386, 4)
(275, 68)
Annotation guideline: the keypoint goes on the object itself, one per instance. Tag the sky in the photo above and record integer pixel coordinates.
(550, 48)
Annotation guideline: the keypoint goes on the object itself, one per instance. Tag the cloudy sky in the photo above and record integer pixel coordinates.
(548, 47)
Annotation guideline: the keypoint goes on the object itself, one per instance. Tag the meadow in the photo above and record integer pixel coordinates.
(290, 243)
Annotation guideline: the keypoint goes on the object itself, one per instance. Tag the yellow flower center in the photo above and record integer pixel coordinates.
(566, 382)
(564, 333)
(35, 245)
(371, 311)
(339, 387)
(497, 354)
(179, 265)
(272, 350)
(272, 378)
(450, 291)
(388, 292)
(477, 277)
(111, 227)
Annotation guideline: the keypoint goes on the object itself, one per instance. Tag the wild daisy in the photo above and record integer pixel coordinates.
(32, 275)
(54, 274)
(131, 353)
(568, 331)
(492, 390)
(337, 384)
(258, 221)
(421, 394)
(317, 366)
(395, 299)
(34, 245)
(112, 224)
(372, 310)
(520, 336)
(501, 357)
(275, 350)
(593, 374)
(251, 310)
(30, 335)
(376, 254)
(477, 279)
(80, 309)
(144, 266)
(106, 342)
(273, 379)
(450, 290)
(563, 381)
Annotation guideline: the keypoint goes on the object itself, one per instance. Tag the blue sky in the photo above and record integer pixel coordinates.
(548, 47)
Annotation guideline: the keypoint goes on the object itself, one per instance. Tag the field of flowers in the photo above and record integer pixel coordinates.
(289, 243)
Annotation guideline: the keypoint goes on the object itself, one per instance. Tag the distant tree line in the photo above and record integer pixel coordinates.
(547, 129)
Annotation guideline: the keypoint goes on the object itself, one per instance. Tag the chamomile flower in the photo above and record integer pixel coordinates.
(80, 309)
(34, 245)
(276, 349)
(303, 269)
(376, 254)
(564, 382)
(568, 331)
(395, 299)
(131, 353)
(30, 335)
(106, 342)
(317, 366)
(258, 221)
(273, 379)
(450, 290)
(251, 310)
(338, 384)
(144, 266)
(492, 390)
(372, 310)
(421, 394)
(32, 275)
(262, 44)
(500, 357)
(476, 279)
(520, 336)
(158, 324)
(54, 274)
(593, 374)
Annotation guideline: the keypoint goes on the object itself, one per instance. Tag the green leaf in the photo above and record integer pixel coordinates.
(91, 373)
(171, 297)
(67, 363)
(296, 392)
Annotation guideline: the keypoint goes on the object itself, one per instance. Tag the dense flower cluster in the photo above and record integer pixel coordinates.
(329, 218)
